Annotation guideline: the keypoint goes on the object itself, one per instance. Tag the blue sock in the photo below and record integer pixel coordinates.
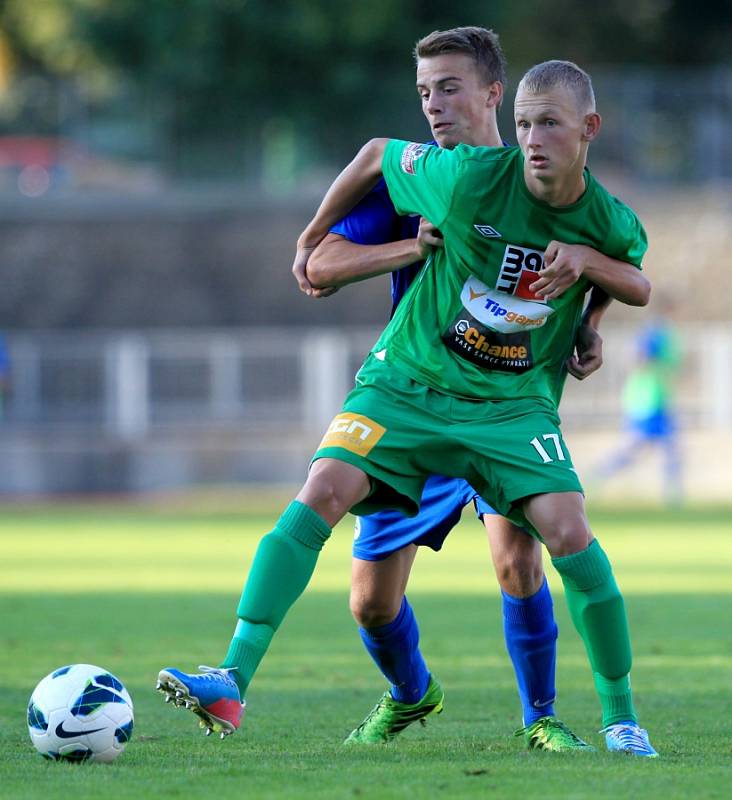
(395, 650)
(531, 641)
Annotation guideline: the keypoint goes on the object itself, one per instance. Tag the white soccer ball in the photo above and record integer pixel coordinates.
(80, 713)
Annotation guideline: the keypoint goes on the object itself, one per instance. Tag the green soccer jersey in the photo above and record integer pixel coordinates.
(469, 324)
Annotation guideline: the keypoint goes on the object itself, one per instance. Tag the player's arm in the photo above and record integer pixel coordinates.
(348, 188)
(337, 261)
(564, 264)
(587, 355)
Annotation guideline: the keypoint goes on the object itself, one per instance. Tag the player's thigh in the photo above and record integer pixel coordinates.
(382, 429)
(377, 587)
(517, 451)
(560, 519)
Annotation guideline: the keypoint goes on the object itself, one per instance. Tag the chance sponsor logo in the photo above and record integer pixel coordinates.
(502, 312)
(519, 270)
(486, 348)
(353, 432)
(410, 154)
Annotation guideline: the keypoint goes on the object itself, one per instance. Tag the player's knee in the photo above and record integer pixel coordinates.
(321, 493)
(332, 488)
(518, 574)
(567, 536)
(518, 564)
(372, 611)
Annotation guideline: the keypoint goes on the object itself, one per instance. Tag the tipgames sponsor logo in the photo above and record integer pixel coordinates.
(501, 312)
(353, 432)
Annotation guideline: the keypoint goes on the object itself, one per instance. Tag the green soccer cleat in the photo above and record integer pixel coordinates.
(389, 717)
(549, 733)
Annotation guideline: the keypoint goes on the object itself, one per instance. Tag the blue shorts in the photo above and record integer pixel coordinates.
(659, 425)
(443, 499)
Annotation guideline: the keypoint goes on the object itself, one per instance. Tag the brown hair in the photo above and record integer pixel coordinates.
(479, 43)
(549, 74)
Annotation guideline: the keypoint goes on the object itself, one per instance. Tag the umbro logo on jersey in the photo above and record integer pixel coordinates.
(487, 231)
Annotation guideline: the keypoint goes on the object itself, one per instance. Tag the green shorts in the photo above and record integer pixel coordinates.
(400, 431)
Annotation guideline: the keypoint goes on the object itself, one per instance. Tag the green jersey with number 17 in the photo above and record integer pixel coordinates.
(469, 324)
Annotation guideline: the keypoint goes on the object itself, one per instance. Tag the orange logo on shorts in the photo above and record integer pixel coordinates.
(353, 432)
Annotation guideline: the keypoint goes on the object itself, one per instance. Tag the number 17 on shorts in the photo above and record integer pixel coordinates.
(549, 447)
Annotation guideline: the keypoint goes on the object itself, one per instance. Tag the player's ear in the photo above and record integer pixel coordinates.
(494, 96)
(592, 125)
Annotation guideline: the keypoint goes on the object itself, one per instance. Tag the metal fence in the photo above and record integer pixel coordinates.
(128, 385)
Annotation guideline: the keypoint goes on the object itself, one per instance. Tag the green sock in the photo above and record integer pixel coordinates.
(598, 613)
(282, 566)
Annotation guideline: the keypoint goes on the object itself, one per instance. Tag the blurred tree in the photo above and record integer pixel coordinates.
(44, 35)
(338, 71)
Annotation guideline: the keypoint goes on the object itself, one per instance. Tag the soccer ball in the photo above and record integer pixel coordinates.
(80, 713)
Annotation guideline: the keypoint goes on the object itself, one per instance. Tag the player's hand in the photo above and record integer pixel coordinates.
(299, 270)
(563, 267)
(428, 237)
(324, 291)
(587, 357)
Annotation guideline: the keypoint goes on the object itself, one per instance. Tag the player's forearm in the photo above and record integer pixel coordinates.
(349, 187)
(620, 280)
(596, 307)
(336, 261)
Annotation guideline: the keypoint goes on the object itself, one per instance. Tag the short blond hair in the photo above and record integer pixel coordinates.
(550, 74)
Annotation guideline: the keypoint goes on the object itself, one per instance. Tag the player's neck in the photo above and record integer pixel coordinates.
(557, 191)
(491, 138)
(487, 137)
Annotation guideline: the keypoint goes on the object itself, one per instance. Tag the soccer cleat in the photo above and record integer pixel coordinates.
(212, 695)
(628, 737)
(389, 717)
(550, 733)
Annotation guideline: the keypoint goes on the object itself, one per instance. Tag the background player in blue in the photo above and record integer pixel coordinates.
(648, 402)
(460, 77)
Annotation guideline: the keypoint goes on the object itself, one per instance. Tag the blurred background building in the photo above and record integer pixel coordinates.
(158, 160)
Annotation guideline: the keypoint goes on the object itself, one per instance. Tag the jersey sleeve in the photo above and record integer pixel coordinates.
(371, 221)
(421, 178)
(631, 240)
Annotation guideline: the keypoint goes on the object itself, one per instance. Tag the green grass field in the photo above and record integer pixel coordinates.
(134, 589)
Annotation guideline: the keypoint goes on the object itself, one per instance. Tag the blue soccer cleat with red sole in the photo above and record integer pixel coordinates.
(212, 695)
